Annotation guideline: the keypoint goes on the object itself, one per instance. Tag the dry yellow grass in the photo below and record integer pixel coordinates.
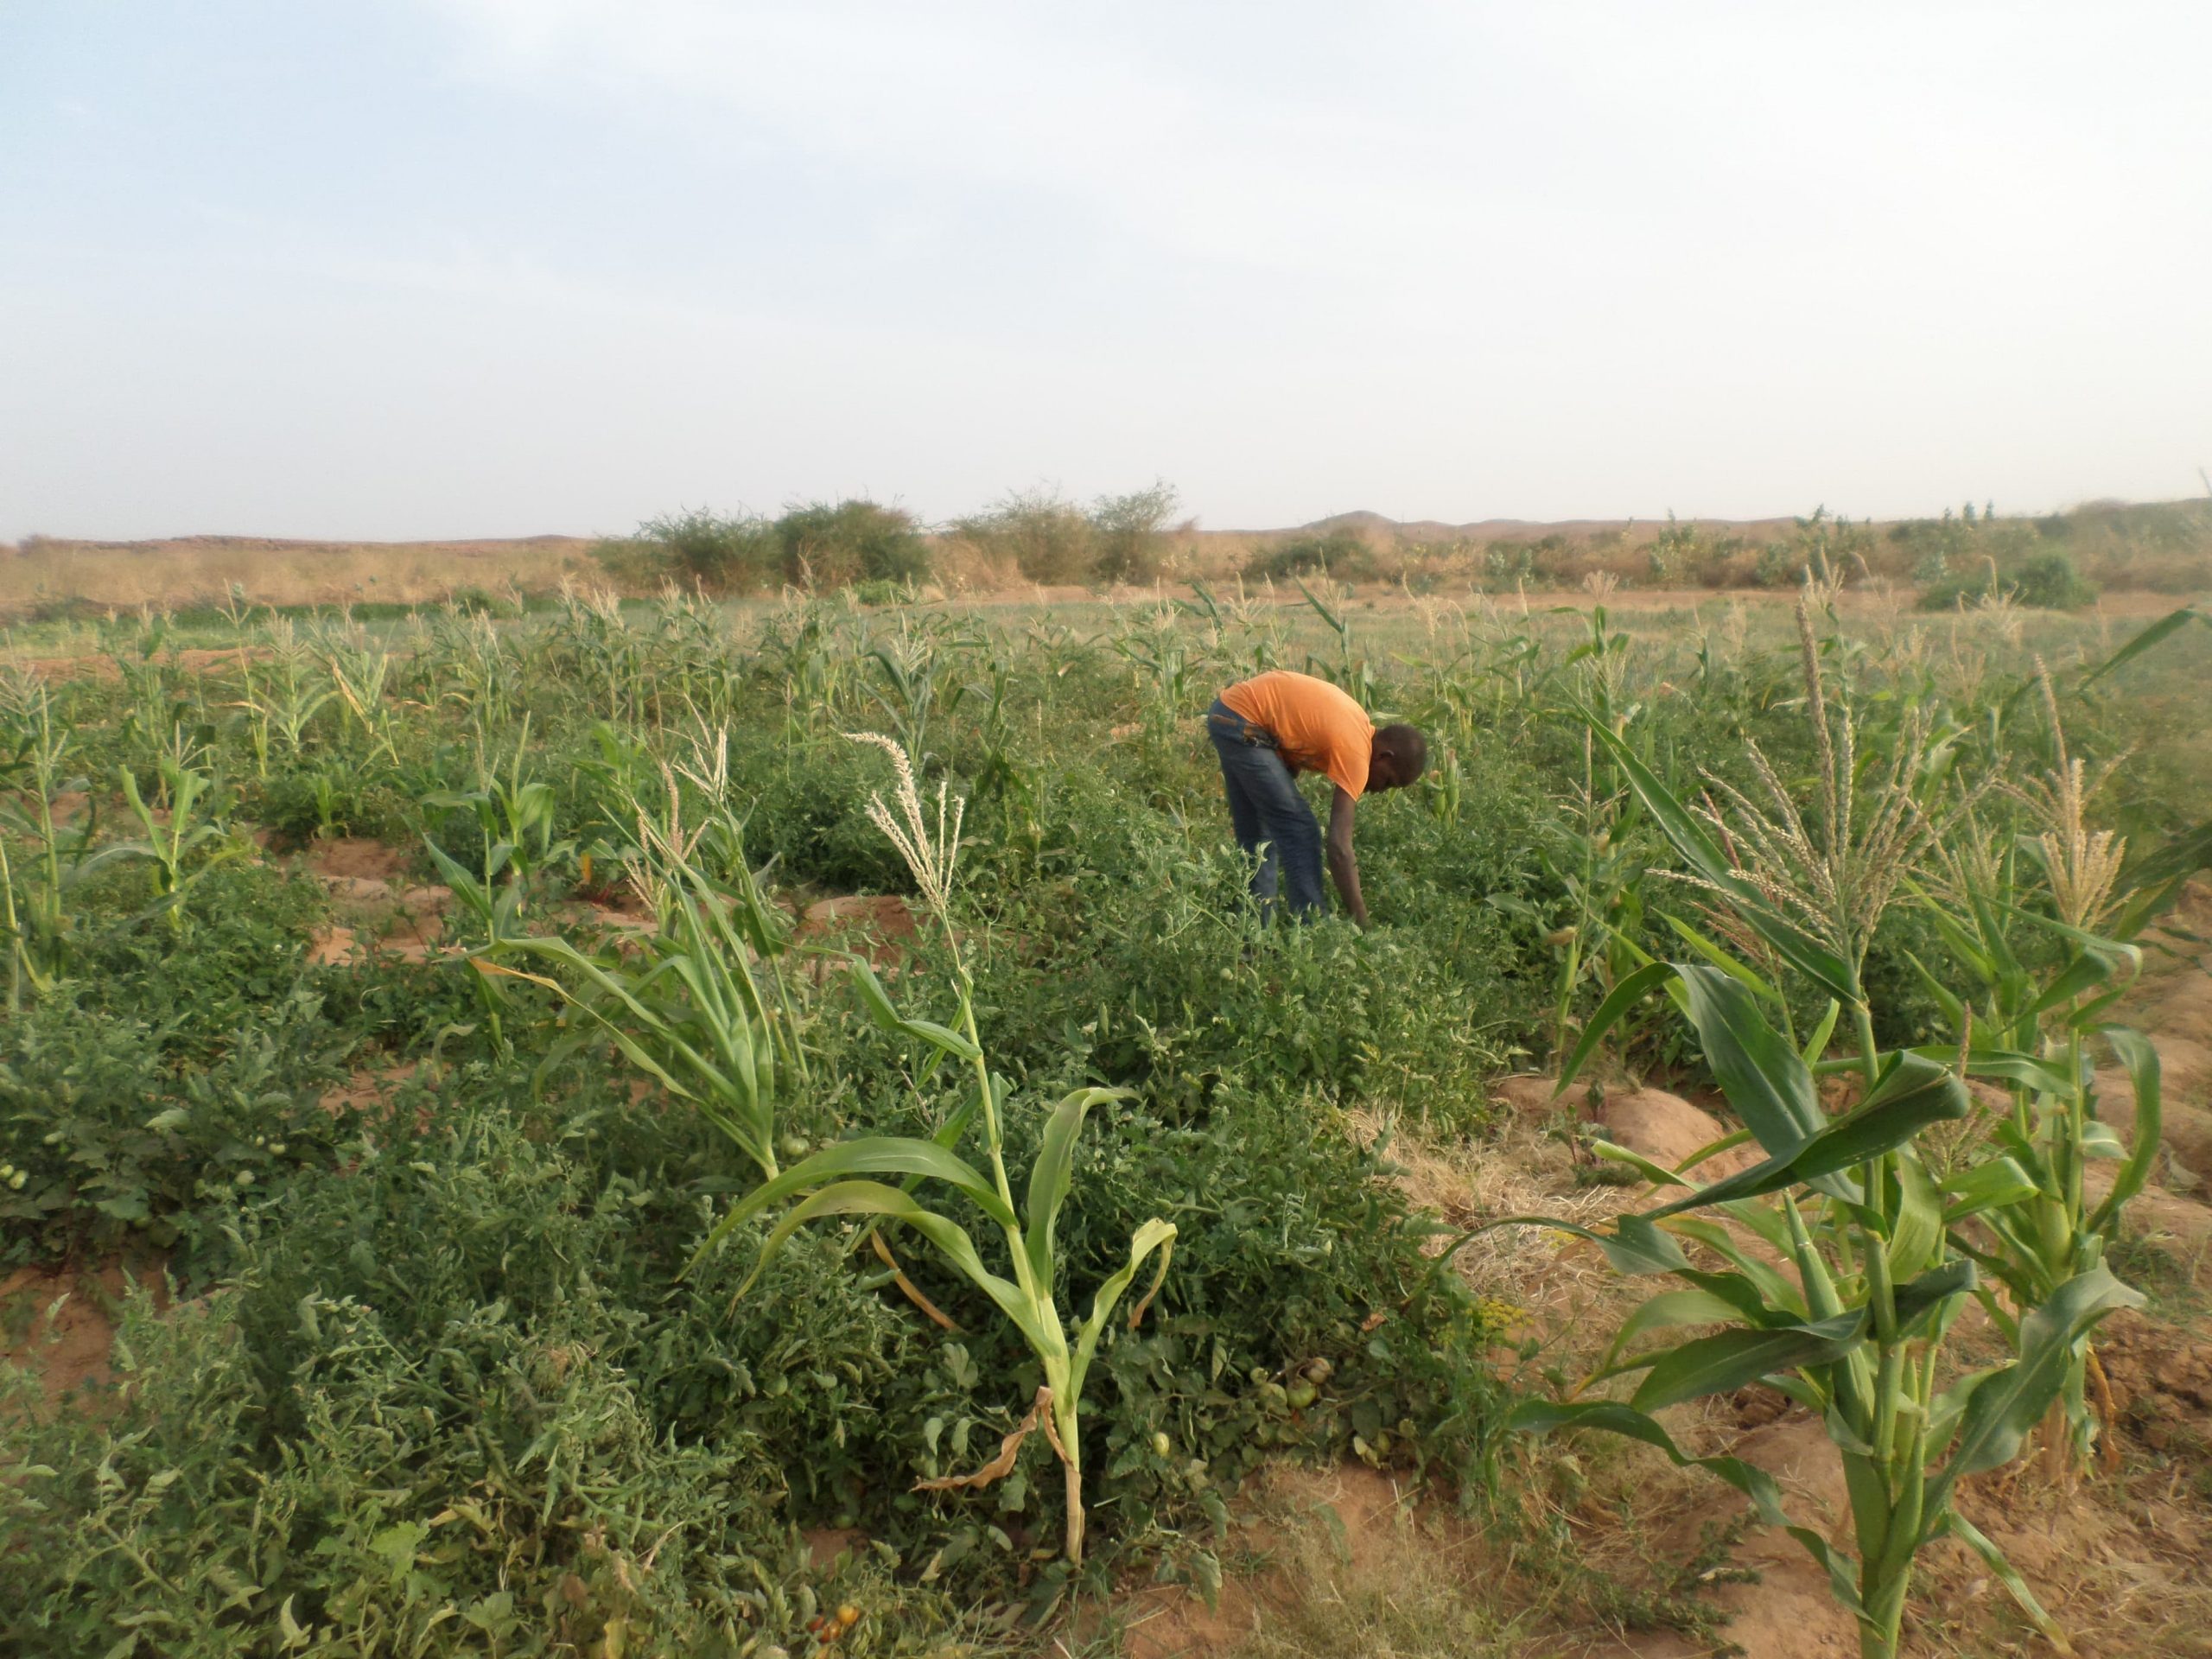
(207, 569)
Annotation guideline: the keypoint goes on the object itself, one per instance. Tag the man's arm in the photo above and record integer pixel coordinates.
(1344, 865)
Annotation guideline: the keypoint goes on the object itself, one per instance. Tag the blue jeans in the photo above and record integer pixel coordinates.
(1274, 824)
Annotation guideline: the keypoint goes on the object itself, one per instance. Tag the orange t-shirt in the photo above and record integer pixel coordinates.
(1316, 727)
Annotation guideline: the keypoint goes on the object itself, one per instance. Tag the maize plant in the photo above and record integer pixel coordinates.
(281, 701)
(1874, 1222)
(681, 1002)
(43, 928)
(2033, 1036)
(1856, 1337)
(194, 824)
(357, 676)
(841, 1180)
(515, 816)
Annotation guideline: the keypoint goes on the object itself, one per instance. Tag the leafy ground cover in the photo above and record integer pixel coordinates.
(419, 1028)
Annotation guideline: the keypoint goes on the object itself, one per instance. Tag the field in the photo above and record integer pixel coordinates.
(521, 1133)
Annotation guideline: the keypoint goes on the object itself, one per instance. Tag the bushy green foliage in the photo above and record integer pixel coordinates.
(1341, 553)
(1129, 532)
(2046, 582)
(725, 553)
(1165, 988)
(506, 1491)
(1050, 538)
(1045, 536)
(115, 1148)
(304, 803)
(820, 546)
(243, 964)
(824, 546)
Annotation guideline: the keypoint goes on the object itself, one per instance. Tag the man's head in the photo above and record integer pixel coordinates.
(1399, 757)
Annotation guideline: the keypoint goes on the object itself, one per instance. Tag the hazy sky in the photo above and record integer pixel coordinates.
(495, 267)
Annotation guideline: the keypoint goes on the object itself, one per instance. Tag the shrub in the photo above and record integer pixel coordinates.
(2051, 583)
(1129, 532)
(103, 1145)
(2048, 581)
(728, 553)
(1046, 537)
(250, 925)
(821, 546)
(1340, 553)
(504, 1493)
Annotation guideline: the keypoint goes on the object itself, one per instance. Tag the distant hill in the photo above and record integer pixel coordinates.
(1427, 530)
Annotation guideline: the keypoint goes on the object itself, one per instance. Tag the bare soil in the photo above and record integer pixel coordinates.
(60, 1323)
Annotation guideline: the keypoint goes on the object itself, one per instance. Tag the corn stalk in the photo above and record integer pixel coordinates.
(839, 1180)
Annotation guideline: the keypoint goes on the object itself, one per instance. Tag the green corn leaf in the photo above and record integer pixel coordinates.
(878, 1155)
(1541, 1417)
(1634, 1248)
(2158, 875)
(881, 1010)
(2172, 622)
(1773, 1286)
(1626, 994)
(1912, 1095)
(1732, 1359)
(1658, 1174)
(1817, 1044)
(2004, 1064)
(2140, 1061)
(1955, 1011)
(1765, 1079)
(459, 880)
(1765, 1219)
(2006, 1405)
(1822, 1300)
(1727, 1142)
(2089, 970)
(952, 1242)
(1720, 958)
(1923, 1302)
(1995, 1184)
(1052, 1175)
(1669, 1307)
(1916, 1238)
(2099, 1141)
(1952, 1522)
(1969, 948)
(1154, 1235)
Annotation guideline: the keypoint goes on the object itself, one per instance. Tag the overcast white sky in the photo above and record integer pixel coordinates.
(496, 267)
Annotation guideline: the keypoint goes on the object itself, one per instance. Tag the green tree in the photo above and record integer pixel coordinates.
(1128, 532)
(824, 546)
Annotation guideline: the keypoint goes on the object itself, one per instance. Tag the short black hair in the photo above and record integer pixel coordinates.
(1411, 748)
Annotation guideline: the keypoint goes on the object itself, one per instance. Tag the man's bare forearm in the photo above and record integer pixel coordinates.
(1344, 870)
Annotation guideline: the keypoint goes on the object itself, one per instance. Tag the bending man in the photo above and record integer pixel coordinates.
(1269, 728)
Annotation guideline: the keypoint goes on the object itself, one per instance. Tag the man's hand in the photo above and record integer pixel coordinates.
(1343, 864)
